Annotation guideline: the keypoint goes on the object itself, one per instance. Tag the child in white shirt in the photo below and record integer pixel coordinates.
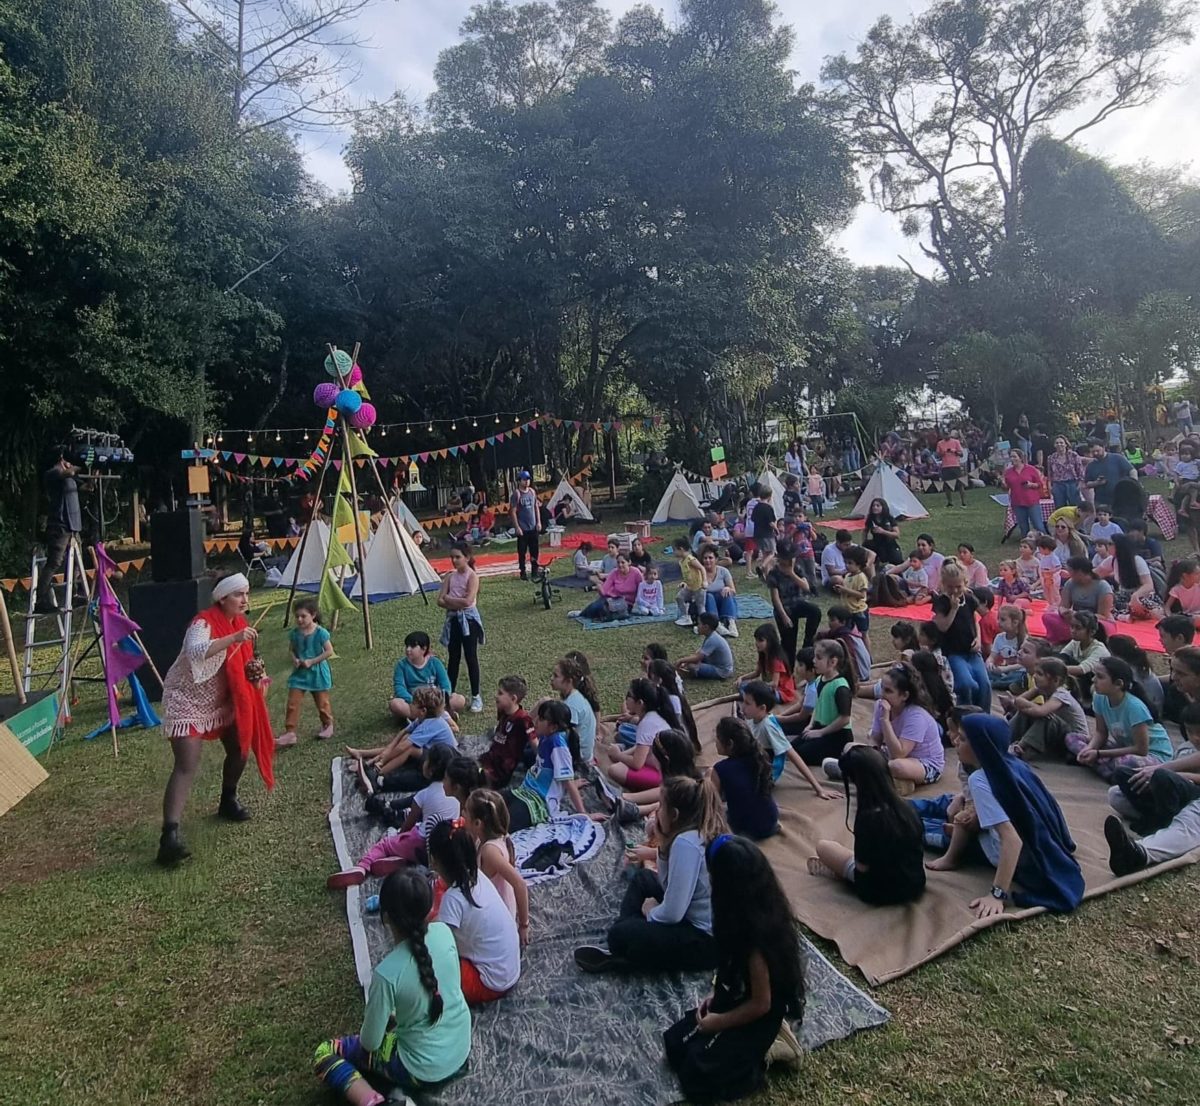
(1050, 568)
(649, 599)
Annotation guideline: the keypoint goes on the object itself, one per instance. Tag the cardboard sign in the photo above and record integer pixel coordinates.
(717, 453)
(719, 470)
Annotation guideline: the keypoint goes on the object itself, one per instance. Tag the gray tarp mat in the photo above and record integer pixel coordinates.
(564, 1038)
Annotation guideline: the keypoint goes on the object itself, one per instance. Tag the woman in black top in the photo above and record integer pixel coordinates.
(881, 533)
(954, 615)
(638, 557)
(789, 593)
(887, 866)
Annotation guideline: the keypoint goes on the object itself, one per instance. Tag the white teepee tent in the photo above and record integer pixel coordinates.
(886, 485)
(395, 565)
(410, 523)
(578, 507)
(306, 572)
(770, 480)
(678, 503)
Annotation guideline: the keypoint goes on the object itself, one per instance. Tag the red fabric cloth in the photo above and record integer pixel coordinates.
(250, 718)
(1016, 479)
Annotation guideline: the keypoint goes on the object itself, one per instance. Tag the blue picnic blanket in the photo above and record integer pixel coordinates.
(749, 606)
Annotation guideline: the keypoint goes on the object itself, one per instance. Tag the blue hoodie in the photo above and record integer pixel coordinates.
(1048, 874)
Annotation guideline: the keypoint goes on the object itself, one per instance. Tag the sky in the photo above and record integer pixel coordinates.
(406, 37)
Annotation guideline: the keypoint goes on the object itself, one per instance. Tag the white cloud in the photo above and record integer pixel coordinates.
(406, 37)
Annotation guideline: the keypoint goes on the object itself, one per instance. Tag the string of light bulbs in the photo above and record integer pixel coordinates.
(474, 422)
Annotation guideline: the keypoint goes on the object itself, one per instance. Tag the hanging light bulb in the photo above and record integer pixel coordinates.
(516, 419)
(306, 435)
(383, 431)
(210, 440)
(220, 437)
(454, 426)
(475, 422)
(431, 428)
(497, 420)
(407, 429)
(278, 436)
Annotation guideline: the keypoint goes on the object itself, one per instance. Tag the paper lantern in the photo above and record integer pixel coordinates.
(325, 393)
(339, 363)
(355, 376)
(363, 417)
(348, 401)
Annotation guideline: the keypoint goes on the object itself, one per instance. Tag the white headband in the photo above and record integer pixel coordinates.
(228, 586)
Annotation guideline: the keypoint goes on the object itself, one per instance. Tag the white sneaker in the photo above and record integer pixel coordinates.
(732, 630)
(831, 768)
(476, 705)
(722, 629)
(575, 614)
(686, 620)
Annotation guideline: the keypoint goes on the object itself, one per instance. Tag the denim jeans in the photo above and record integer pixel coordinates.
(1065, 492)
(1028, 518)
(971, 683)
(723, 606)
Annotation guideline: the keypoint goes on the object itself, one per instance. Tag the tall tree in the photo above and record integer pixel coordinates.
(943, 109)
(284, 62)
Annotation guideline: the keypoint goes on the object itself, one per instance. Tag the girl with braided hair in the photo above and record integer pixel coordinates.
(417, 985)
(489, 949)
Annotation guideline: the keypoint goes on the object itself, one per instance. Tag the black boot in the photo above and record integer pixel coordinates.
(171, 850)
(230, 809)
(1125, 855)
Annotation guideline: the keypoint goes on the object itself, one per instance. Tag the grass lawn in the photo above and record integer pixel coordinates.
(210, 986)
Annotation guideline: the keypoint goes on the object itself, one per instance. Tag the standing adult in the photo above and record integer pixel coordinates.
(1065, 468)
(1024, 484)
(951, 454)
(1183, 415)
(63, 523)
(1039, 448)
(462, 632)
(1104, 470)
(793, 459)
(208, 695)
(526, 516)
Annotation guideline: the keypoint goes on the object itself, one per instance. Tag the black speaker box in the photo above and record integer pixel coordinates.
(177, 545)
(163, 610)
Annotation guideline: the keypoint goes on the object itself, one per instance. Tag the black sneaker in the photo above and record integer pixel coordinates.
(594, 959)
(1125, 855)
(233, 811)
(171, 850)
(627, 813)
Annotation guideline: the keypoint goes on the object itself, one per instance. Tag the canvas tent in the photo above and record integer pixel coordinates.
(770, 480)
(395, 565)
(886, 485)
(678, 503)
(408, 520)
(308, 559)
(578, 507)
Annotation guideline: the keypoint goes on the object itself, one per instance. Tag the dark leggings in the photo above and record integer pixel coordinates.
(657, 946)
(810, 615)
(527, 544)
(519, 817)
(813, 750)
(468, 645)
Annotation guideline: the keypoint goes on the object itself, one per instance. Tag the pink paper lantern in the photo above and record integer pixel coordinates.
(325, 393)
(355, 376)
(365, 416)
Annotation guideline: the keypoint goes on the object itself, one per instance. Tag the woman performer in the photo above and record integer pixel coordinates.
(209, 695)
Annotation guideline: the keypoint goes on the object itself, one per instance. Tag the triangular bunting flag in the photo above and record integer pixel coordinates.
(358, 445)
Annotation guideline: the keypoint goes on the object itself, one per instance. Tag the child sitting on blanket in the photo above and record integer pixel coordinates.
(513, 737)
(1028, 567)
(416, 1030)
(572, 679)
(1049, 568)
(1012, 588)
(649, 599)
(887, 864)
(828, 730)
(771, 665)
(720, 1050)
(929, 638)
(939, 815)
(1044, 715)
(914, 579)
(486, 817)
(539, 797)
(419, 668)
(397, 765)
(743, 781)
(485, 933)
(429, 806)
(581, 563)
(1021, 828)
(1003, 667)
(795, 717)
(675, 755)
(757, 700)
(1033, 649)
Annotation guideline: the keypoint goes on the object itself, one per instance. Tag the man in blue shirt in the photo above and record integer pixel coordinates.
(1104, 470)
(527, 521)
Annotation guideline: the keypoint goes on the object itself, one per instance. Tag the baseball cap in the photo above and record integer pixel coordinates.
(524, 475)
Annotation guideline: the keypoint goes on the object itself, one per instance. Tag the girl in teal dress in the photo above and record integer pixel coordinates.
(311, 649)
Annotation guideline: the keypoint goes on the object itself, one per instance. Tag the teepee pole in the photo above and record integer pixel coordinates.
(387, 509)
(312, 518)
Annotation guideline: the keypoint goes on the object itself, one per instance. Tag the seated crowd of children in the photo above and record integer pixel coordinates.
(453, 895)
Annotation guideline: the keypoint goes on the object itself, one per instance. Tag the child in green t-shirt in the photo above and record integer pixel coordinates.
(311, 648)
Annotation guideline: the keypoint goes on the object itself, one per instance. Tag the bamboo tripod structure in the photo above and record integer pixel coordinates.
(348, 465)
